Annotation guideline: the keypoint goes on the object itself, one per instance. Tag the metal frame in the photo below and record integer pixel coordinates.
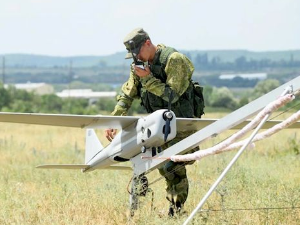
(231, 163)
(146, 165)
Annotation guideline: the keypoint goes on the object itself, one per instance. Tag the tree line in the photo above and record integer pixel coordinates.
(207, 68)
(242, 63)
(14, 100)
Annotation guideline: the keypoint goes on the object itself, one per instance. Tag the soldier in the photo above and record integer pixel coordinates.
(164, 71)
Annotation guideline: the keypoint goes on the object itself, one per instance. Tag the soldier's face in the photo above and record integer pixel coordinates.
(144, 53)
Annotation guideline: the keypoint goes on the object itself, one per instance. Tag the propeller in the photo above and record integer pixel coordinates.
(168, 116)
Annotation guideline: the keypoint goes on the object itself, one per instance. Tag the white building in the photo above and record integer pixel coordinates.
(86, 93)
(38, 88)
(250, 76)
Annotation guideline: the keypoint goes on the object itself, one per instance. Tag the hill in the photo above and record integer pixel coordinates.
(117, 59)
(30, 60)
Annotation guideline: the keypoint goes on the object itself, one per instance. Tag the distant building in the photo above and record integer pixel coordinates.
(38, 88)
(250, 76)
(86, 93)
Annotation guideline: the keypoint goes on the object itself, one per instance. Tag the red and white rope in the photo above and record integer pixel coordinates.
(284, 124)
(228, 143)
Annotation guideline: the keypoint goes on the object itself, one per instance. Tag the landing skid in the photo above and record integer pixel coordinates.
(139, 188)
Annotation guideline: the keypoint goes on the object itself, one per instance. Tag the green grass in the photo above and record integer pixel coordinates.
(266, 177)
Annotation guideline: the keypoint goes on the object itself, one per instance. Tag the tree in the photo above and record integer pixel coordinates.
(207, 91)
(51, 103)
(201, 61)
(106, 104)
(263, 87)
(222, 97)
(241, 63)
(4, 97)
(243, 101)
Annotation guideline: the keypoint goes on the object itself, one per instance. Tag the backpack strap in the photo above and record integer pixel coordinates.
(164, 55)
(163, 59)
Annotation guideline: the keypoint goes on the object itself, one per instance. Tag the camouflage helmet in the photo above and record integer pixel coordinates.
(134, 41)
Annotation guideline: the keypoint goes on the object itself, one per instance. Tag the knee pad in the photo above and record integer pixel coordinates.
(171, 169)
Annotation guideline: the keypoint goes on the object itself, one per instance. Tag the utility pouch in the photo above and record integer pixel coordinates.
(198, 100)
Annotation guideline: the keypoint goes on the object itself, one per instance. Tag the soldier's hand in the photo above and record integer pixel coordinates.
(142, 72)
(110, 134)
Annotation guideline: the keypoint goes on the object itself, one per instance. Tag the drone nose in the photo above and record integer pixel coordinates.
(168, 115)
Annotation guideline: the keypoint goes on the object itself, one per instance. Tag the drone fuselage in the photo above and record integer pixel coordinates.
(147, 134)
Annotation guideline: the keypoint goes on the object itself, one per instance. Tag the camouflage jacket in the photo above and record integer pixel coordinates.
(179, 70)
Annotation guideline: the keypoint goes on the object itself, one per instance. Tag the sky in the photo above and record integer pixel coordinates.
(98, 27)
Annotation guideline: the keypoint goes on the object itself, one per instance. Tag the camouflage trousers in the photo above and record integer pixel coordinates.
(177, 185)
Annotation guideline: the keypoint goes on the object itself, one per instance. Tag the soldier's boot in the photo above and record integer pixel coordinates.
(175, 209)
(171, 211)
(177, 185)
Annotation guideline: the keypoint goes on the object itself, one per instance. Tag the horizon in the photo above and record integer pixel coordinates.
(119, 52)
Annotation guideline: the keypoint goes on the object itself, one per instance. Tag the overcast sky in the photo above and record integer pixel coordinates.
(97, 27)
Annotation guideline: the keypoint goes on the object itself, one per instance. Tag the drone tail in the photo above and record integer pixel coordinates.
(92, 145)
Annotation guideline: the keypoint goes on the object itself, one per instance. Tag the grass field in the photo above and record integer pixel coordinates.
(266, 177)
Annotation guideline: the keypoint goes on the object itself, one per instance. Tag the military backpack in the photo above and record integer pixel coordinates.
(194, 93)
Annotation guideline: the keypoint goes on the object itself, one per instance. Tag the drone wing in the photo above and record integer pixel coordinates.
(68, 120)
(80, 166)
(116, 122)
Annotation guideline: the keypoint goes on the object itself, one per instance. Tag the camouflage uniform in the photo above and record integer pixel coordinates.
(179, 70)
